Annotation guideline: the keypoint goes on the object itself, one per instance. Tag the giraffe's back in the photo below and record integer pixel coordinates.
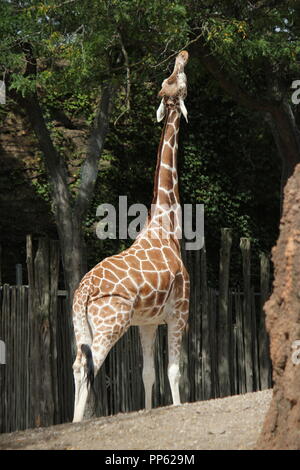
(142, 275)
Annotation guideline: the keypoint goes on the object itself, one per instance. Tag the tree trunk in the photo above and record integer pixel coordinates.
(73, 254)
(69, 212)
(68, 221)
(287, 139)
(281, 429)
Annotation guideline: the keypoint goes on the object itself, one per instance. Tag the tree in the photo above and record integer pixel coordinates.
(68, 214)
(252, 49)
(75, 46)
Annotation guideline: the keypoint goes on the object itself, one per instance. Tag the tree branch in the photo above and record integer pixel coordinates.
(54, 165)
(222, 76)
(128, 81)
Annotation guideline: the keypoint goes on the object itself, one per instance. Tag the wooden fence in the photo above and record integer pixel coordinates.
(225, 348)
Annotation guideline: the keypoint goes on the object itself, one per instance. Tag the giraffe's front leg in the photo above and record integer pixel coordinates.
(175, 331)
(147, 335)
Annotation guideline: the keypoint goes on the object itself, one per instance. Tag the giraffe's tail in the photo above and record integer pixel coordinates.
(90, 370)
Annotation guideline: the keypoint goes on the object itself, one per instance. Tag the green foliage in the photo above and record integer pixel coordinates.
(227, 157)
(253, 40)
(80, 45)
(22, 84)
(230, 164)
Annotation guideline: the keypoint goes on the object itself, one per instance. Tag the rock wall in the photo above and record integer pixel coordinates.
(282, 424)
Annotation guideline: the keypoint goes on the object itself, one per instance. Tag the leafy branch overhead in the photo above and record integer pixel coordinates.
(80, 48)
(61, 53)
(91, 63)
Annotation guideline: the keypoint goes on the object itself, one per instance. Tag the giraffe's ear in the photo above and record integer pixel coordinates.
(183, 109)
(160, 113)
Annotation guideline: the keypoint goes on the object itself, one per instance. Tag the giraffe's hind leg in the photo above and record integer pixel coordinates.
(109, 319)
(82, 369)
(147, 335)
(83, 337)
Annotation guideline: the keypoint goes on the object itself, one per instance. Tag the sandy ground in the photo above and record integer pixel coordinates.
(227, 423)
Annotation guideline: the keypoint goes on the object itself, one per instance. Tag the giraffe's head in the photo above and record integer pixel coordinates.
(181, 59)
(174, 88)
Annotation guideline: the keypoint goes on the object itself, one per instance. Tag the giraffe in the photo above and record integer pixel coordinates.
(145, 285)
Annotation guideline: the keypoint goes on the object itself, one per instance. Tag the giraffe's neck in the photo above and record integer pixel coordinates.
(166, 203)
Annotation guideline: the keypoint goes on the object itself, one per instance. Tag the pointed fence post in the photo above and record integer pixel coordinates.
(185, 385)
(206, 332)
(42, 268)
(245, 246)
(224, 354)
(0, 264)
(19, 274)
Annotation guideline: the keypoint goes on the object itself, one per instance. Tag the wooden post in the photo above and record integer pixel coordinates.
(25, 331)
(42, 302)
(19, 275)
(245, 246)
(6, 337)
(14, 354)
(212, 304)
(254, 341)
(53, 307)
(264, 351)
(231, 344)
(240, 347)
(2, 362)
(192, 332)
(224, 358)
(206, 349)
(184, 385)
(191, 329)
(0, 264)
(34, 366)
(43, 278)
(197, 326)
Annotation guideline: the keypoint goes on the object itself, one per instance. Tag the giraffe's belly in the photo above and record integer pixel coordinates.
(143, 318)
(155, 314)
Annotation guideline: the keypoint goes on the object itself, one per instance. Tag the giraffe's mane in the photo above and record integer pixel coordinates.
(156, 177)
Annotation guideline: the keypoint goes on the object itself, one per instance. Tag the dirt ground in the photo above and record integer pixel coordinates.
(226, 423)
